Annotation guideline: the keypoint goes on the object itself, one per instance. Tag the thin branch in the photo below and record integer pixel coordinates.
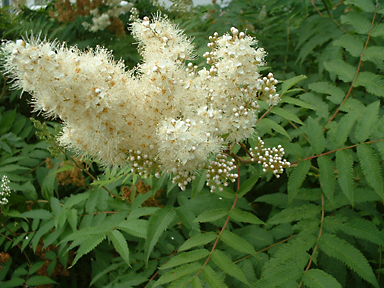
(329, 152)
(358, 69)
(25, 254)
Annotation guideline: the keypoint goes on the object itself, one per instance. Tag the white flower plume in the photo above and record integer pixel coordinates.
(160, 117)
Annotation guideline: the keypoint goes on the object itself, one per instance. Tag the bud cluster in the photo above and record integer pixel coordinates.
(270, 158)
(219, 172)
(5, 191)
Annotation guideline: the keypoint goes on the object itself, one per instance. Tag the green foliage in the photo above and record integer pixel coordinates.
(319, 225)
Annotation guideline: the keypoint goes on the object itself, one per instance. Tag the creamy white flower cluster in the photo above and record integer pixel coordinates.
(161, 117)
(100, 21)
(5, 191)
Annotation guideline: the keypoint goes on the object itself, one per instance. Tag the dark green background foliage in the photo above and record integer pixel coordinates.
(319, 225)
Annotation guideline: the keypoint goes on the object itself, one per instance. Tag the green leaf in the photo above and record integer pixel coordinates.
(37, 214)
(294, 214)
(373, 53)
(297, 102)
(340, 249)
(90, 244)
(344, 165)
(343, 70)
(353, 44)
(247, 185)
(76, 199)
(327, 176)
(196, 282)
(226, 264)
(273, 125)
(158, 223)
(371, 168)
(237, 243)
(344, 127)
(290, 82)
(367, 121)
(39, 280)
(198, 240)
(212, 215)
(315, 135)
(365, 5)
(14, 282)
(186, 257)
(120, 244)
(315, 278)
(212, 279)
(374, 83)
(178, 273)
(336, 93)
(288, 115)
(359, 21)
(245, 217)
(296, 178)
(135, 227)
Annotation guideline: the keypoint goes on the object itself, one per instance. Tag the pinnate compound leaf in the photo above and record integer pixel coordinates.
(237, 243)
(120, 244)
(343, 70)
(371, 168)
(90, 244)
(296, 178)
(158, 223)
(178, 273)
(212, 215)
(315, 135)
(198, 240)
(290, 82)
(186, 257)
(294, 214)
(315, 278)
(226, 264)
(373, 53)
(213, 280)
(244, 216)
(336, 93)
(344, 165)
(340, 249)
(327, 176)
(367, 121)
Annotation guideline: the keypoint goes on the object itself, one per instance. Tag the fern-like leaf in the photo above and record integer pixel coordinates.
(365, 5)
(344, 164)
(371, 168)
(158, 223)
(373, 53)
(290, 82)
(296, 179)
(367, 121)
(212, 215)
(340, 249)
(237, 243)
(120, 244)
(268, 123)
(288, 115)
(315, 278)
(327, 176)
